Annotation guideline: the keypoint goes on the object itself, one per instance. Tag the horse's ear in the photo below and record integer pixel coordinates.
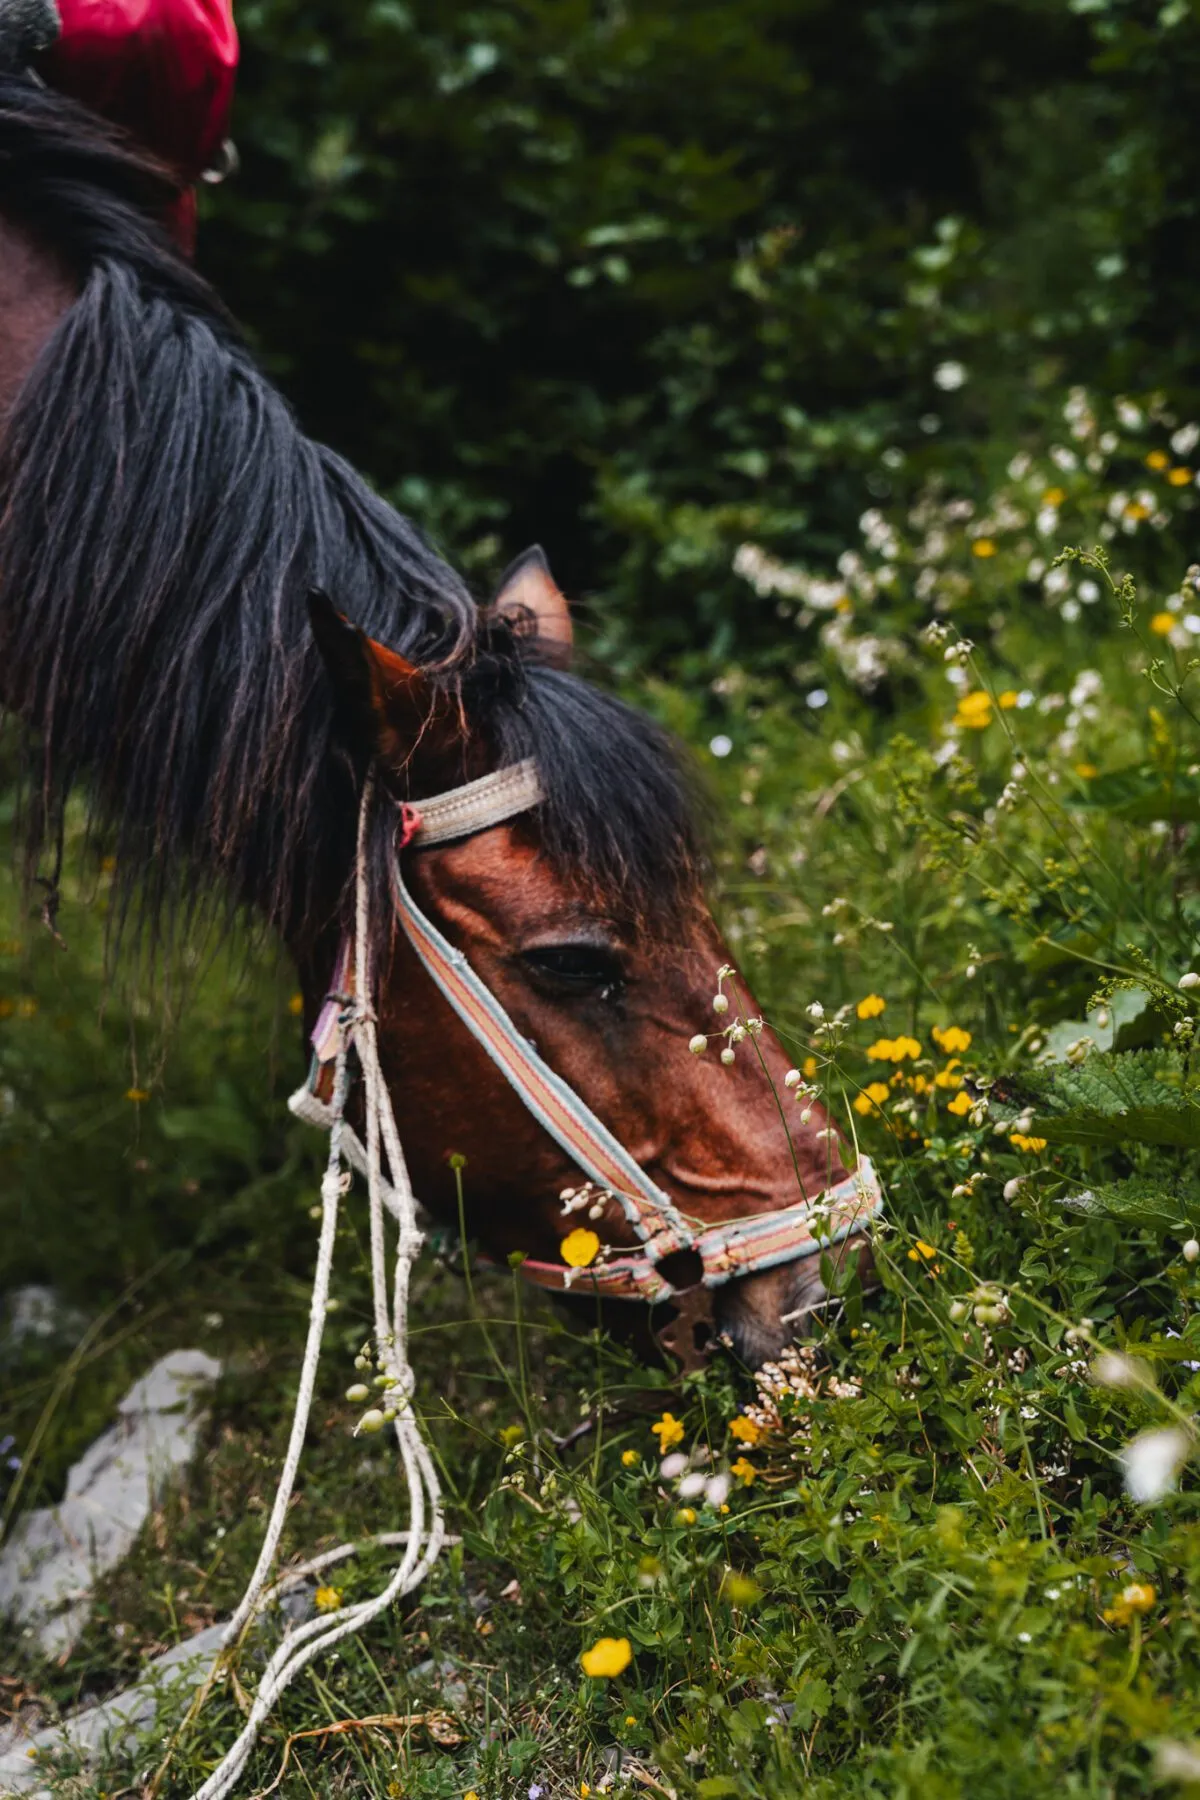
(383, 703)
(528, 589)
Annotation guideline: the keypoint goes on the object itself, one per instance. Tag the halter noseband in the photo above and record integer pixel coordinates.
(731, 1248)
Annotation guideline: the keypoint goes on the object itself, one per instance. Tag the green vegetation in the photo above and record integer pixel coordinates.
(959, 776)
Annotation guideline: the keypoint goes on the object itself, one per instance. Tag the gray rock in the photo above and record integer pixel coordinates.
(112, 1723)
(55, 1555)
(37, 1312)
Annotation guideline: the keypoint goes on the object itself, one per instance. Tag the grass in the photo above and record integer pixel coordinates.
(927, 1575)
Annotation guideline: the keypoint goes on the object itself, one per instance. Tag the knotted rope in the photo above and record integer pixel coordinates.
(425, 1534)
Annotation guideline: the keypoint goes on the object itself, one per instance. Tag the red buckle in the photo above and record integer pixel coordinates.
(410, 824)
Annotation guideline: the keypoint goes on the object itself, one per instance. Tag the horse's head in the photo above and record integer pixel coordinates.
(585, 918)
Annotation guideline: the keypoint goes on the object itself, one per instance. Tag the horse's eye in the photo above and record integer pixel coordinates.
(575, 969)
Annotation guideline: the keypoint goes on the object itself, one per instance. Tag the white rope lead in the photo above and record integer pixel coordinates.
(425, 1533)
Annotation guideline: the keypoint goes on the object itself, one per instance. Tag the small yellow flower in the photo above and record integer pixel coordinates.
(327, 1599)
(668, 1431)
(974, 711)
(512, 1434)
(919, 1084)
(1157, 459)
(872, 1097)
(949, 1077)
(744, 1470)
(1137, 510)
(1034, 1145)
(1135, 1598)
(808, 1067)
(296, 1005)
(686, 1516)
(961, 1103)
(137, 1095)
(1181, 477)
(1008, 699)
(1086, 771)
(745, 1430)
(983, 547)
(579, 1248)
(1162, 623)
(871, 1007)
(630, 1458)
(893, 1049)
(951, 1038)
(1054, 496)
(928, 1251)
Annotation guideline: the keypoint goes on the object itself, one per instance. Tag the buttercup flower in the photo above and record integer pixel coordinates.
(872, 1097)
(745, 1430)
(871, 1007)
(974, 711)
(983, 547)
(579, 1248)
(1162, 623)
(744, 1470)
(327, 1599)
(607, 1657)
(1135, 1598)
(668, 1431)
(893, 1049)
(950, 1038)
(630, 1458)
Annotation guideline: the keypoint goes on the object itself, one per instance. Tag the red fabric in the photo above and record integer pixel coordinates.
(164, 69)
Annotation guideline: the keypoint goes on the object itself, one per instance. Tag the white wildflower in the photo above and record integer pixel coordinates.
(1152, 1463)
(1113, 1369)
(949, 376)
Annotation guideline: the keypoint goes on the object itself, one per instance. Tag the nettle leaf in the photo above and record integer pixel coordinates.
(1139, 1200)
(1133, 1097)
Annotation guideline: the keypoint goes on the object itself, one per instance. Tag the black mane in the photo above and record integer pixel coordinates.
(162, 519)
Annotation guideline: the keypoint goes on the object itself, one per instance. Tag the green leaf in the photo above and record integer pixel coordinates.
(1141, 792)
(1139, 1200)
(1136, 1097)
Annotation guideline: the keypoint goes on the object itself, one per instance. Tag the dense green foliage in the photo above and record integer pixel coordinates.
(641, 281)
(681, 292)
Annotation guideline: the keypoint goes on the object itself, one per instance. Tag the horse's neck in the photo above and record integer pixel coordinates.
(35, 290)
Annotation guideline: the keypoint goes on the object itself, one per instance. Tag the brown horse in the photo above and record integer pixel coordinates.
(162, 521)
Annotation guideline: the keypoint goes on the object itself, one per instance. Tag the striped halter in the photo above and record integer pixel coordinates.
(730, 1248)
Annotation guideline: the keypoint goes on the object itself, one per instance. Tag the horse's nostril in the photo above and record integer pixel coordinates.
(683, 1269)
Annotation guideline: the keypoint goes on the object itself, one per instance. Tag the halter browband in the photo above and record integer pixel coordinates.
(731, 1248)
